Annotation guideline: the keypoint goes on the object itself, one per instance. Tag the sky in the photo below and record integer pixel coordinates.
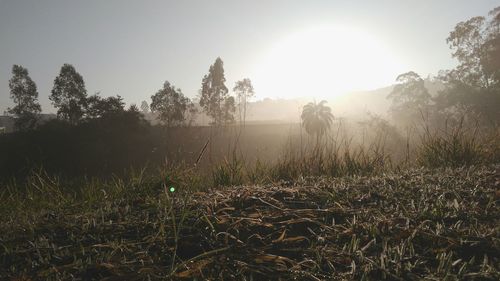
(288, 48)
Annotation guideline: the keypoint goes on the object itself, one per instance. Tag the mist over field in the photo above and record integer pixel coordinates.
(236, 140)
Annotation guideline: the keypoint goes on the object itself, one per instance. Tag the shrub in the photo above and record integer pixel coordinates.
(451, 148)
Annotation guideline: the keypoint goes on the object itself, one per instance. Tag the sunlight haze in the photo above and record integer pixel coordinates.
(328, 61)
(286, 48)
(249, 140)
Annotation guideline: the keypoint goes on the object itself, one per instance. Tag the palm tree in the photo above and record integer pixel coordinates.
(317, 119)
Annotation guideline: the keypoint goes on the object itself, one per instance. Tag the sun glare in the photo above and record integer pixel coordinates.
(325, 62)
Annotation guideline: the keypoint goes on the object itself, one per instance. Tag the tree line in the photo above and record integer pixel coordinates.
(169, 104)
(97, 136)
(471, 88)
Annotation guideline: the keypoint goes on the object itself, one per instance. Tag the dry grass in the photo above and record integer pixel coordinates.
(440, 224)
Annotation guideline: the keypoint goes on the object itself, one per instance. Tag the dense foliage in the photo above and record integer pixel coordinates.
(214, 96)
(103, 146)
(171, 106)
(69, 94)
(25, 96)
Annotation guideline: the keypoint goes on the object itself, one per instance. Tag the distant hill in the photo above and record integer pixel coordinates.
(354, 104)
(349, 105)
(267, 110)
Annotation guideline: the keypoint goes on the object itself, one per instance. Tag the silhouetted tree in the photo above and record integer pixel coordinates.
(228, 110)
(317, 119)
(191, 114)
(171, 105)
(492, 61)
(409, 98)
(133, 108)
(214, 98)
(98, 107)
(69, 95)
(474, 85)
(145, 107)
(25, 96)
(244, 91)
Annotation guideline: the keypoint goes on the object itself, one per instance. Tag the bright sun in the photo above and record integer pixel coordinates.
(325, 62)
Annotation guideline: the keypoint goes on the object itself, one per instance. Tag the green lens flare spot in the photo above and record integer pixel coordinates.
(172, 189)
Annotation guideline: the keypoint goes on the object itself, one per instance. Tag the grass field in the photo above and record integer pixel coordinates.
(439, 224)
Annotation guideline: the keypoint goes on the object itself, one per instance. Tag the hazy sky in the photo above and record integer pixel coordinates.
(131, 47)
